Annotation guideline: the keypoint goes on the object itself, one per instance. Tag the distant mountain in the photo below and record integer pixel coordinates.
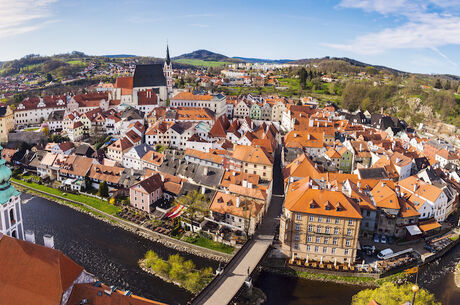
(119, 56)
(261, 60)
(206, 55)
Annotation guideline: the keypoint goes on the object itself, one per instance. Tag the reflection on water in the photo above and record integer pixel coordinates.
(437, 277)
(108, 252)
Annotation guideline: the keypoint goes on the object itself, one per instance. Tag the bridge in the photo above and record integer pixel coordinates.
(225, 286)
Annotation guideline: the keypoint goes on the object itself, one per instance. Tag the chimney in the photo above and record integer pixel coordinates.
(245, 183)
(250, 185)
(238, 202)
(203, 190)
(308, 137)
(358, 184)
(233, 173)
(48, 240)
(415, 187)
(30, 236)
(360, 146)
(397, 191)
(205, 171)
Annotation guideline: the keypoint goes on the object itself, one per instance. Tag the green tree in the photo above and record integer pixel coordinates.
(49, 77)
(447, 85)
(103, 189)
(438, 84)
(195, 203)
(302, 77)
(18, 97)
(391, 294)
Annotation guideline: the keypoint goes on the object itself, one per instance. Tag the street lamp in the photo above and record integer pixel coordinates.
(414, 289)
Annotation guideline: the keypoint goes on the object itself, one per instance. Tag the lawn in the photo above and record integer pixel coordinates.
(207, 243)
(76, 62)
(202, 63)
(93, 202)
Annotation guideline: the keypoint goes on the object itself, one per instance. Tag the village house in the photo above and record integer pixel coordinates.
(145, 193)
(117, 149)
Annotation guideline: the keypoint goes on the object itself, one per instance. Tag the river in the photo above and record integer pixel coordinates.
(111, 254)
(437, 277)
(108, 252)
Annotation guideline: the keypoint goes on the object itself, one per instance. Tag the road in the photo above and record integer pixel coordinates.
(222, 290)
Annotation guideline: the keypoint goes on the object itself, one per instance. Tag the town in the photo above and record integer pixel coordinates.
(350, 193)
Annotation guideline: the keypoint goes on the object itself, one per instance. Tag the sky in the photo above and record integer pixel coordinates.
(409, 35)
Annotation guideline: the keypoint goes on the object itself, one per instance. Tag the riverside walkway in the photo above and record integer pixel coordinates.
(225, 286)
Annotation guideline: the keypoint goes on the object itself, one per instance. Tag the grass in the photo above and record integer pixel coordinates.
(76, 62)
(202, 63)
(207, 243)
(353, 280)
(32, 129)
(96, 203)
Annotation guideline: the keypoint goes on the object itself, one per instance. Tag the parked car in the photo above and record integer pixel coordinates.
(369, 250)
(384, 253)
(376, 238)
(429, 248)
(383, 240)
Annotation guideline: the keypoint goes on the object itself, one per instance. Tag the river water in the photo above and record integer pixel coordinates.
(437, 277)
(111, 254)
(108, 252)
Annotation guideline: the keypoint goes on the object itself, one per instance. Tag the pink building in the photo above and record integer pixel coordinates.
(146, 192)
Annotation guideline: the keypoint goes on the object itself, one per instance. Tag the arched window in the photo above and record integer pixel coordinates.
(12, 219)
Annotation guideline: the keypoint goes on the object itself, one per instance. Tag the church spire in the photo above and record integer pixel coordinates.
(168, 59)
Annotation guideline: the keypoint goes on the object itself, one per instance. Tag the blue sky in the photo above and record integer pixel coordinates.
(410, 35)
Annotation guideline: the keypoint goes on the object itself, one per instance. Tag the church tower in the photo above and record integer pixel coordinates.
(10, 204)
(167, 70)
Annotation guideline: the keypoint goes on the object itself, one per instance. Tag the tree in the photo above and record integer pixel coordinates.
(103, 189)
(194, 202)
(447, 85)
(18, 97)
(458, 89)
(391, 294)
(438, 84)
(49, 77)
(302, 77)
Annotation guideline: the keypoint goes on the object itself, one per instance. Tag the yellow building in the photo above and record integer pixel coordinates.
(6, 122)
(321, 225)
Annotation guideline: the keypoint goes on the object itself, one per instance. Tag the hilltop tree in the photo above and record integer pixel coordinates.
(391, 294)
(302, 77)
(447, 85)
(438, 84)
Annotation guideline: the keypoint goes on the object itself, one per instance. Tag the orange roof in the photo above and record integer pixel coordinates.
(428, 226)
(226, 204)
(153, 157)
(385, 197)
(191, 96)
(124, 82)
(232, 177)
(33, 274)
(204, 155)
(106, 173)
(251, 154)
(407, 209)
(301, 198)
(423, 189)
(332, 153)
(304, 139)
(253, 192)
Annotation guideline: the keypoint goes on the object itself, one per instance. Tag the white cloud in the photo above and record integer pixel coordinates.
(423, 29)
(21, 16)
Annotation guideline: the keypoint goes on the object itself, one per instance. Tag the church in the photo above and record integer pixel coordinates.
(10, 204)
(149, 82)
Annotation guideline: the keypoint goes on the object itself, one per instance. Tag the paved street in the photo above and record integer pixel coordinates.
(225, 287)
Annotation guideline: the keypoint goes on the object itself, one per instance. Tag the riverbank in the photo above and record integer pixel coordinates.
(167, 241)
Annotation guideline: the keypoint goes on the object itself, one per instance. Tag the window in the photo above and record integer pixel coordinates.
(316, 249)
(297, 237)
(346, 251)
(308, 248)
(326, 240)
(312, 218)
(324, 249)
(333, 250)
(328, 219)
(297, 227)
(337, 220)
(336, 231)
(320, 219)
(318, 240)
(309, 239)
(298, 217)
(334, 241)
(318, 229)
(350, 222)
(310, 228)
(349, 232)
(347, 243)
(328, 230)
(296, 246)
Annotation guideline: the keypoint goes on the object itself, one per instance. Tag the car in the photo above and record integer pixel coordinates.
(429, 248)
(369, 250)
(383, 240)
(390, 240)
(376, 238)
(384, 253)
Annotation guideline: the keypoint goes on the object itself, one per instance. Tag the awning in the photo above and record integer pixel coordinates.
(413, 230)
(428, 226)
